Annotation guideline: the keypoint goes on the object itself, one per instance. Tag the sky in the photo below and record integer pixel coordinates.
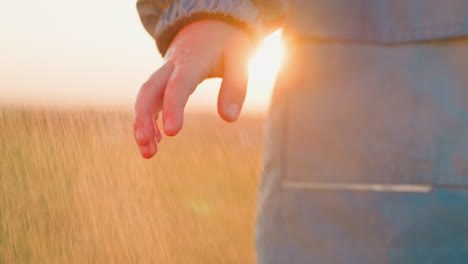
(95, 52)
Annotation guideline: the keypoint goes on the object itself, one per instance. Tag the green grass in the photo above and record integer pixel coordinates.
(73, 189)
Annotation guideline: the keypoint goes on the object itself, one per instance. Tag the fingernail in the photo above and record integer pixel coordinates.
(233, 111)
(168, 124)
(147, 151)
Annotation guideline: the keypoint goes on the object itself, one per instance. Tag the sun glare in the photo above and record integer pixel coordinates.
(263, 69)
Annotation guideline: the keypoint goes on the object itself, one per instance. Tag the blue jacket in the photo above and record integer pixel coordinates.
(380, 21)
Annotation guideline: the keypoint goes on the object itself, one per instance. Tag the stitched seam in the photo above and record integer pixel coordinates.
(283, 160)
(389, 36)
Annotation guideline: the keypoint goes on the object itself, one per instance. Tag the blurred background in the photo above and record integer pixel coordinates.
(73, 188)
(95, 53)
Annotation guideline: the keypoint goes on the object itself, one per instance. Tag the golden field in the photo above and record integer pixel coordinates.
(74, 189)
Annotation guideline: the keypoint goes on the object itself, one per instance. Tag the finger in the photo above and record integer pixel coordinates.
(148, 104)
(180, 86)
(233, 87)
(148, 151)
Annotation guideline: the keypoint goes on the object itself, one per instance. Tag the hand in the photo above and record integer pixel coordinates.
(202, 49)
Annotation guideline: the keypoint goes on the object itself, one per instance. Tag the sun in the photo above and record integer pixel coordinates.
(263, 69)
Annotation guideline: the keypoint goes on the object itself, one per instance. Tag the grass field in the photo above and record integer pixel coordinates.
(73, 189)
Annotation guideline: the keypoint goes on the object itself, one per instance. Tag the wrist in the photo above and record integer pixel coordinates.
(168, 30)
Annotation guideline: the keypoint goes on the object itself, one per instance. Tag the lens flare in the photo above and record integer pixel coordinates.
(263, 69)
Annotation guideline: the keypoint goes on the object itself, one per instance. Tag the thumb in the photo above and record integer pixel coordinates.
(233, 87)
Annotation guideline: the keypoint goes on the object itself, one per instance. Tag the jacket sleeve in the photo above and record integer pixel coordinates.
(164, 18)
